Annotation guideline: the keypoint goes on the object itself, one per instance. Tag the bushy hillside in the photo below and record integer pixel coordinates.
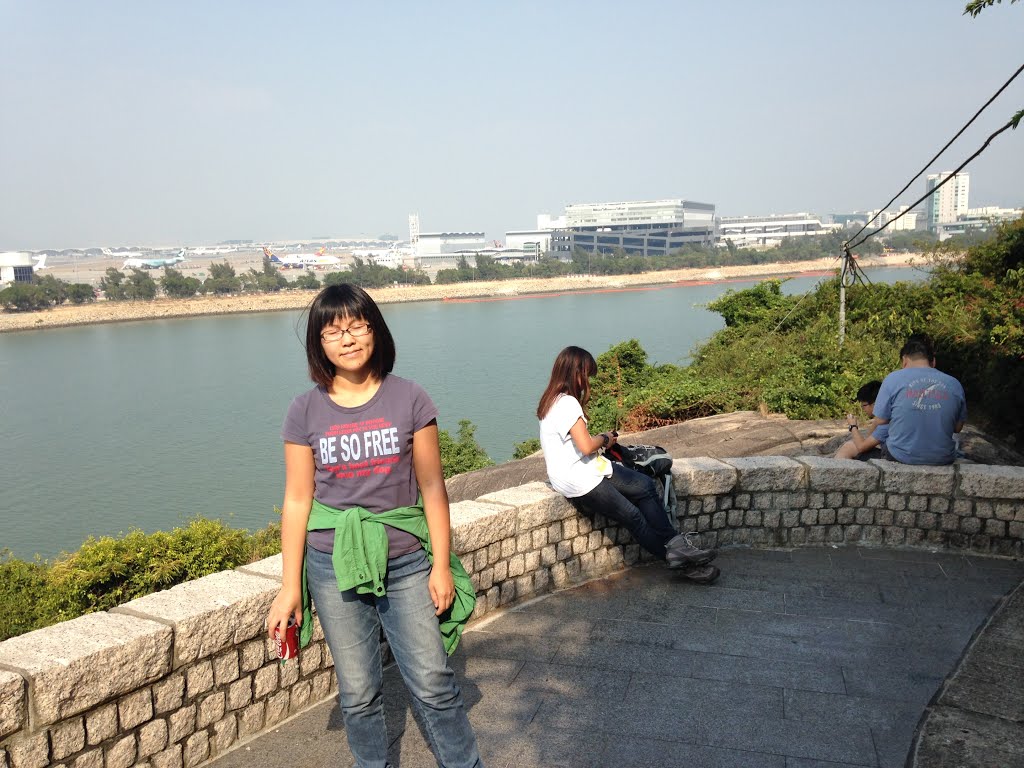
(782, 352)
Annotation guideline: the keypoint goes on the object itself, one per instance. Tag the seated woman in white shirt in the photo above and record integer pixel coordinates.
(579, 471)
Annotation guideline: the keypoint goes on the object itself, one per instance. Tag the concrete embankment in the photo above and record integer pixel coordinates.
(112, 312)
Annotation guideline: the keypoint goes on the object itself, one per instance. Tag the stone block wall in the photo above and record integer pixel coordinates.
(168, 680)
(809, 501)
(176, 678)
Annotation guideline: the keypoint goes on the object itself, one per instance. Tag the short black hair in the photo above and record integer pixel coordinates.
(918, 345)
(869, 392)
(351, 301)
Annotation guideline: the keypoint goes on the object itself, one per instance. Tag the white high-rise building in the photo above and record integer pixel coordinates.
(908, 220)
(949, 202)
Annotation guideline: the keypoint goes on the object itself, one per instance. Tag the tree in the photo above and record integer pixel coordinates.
(81, 293)
(23, 297)
(975, 7)
(270, 280)
(306, 281)
(55, 291)
(140, 286)
(222, 279)
(112, 284)
(487, 269)
(972, 9)
(178, 286)
(621, 370)
(750, 305)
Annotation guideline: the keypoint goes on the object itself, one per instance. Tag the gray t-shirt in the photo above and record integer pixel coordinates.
(363, 455)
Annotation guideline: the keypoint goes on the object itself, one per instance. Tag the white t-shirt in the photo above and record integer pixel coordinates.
(571, 473)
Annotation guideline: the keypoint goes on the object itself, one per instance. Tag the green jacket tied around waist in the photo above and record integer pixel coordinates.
(361, 561)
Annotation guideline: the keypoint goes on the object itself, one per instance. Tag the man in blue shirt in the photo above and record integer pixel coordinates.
(922, 406)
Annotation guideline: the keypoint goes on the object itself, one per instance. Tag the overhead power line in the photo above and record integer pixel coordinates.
(1012, 123)
(936, 157)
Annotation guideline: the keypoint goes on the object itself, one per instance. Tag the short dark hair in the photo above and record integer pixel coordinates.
(346, 301)
(918, 345)
(869, 392)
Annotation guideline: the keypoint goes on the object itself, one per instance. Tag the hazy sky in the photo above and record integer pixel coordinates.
(131, 123)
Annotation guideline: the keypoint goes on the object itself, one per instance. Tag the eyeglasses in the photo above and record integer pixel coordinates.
(337, 334)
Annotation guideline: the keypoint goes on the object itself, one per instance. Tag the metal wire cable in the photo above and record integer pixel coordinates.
(1010, 124)
(938, 154)
(799, 302)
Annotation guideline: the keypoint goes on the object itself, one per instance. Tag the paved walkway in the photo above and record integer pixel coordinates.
(818, 658)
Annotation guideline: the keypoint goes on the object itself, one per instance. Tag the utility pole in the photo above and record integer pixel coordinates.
(842, 295)
(850, 273)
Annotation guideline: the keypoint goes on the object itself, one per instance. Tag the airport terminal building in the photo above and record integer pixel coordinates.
(642, 228)
(15, 267)
(753, 231)
(442, 250)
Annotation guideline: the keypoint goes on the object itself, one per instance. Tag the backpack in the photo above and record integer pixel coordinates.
(652, 460)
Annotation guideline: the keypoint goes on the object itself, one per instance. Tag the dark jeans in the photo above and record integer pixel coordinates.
(631, 499)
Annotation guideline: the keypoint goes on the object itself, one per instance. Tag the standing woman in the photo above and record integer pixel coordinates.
(365, 530)
(579, 471)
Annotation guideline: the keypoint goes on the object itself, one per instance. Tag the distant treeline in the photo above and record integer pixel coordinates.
(140, 285)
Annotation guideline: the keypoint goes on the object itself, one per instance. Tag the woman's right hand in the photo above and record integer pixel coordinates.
(287, 605)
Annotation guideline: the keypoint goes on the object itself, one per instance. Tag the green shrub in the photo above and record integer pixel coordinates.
(22, 588)
(463, 454)
(782, 353)
(109, 571)
(526, 448)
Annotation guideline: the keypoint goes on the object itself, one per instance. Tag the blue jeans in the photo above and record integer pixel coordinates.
(352, 624)
(631, 499)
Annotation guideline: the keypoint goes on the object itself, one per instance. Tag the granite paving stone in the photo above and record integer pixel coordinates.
(842, 590)
(872, 611)
(885, 682)
(649, 606)
(558, 747)
(805, 658)
(841, 709)
(788, 737)
(768, 583)
(940, 559)
(640, 753)
(891, 740)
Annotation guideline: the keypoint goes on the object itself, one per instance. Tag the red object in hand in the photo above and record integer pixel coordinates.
(288, 648)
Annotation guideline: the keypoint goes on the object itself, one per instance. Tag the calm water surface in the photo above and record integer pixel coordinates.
(147, 424)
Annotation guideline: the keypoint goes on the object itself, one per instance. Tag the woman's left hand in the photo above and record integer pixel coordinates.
(442, 587)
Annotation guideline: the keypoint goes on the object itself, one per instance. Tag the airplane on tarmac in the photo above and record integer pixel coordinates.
(212, 250)
(135, 263)
(40, 263)
(303, 260)
(121, 254)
